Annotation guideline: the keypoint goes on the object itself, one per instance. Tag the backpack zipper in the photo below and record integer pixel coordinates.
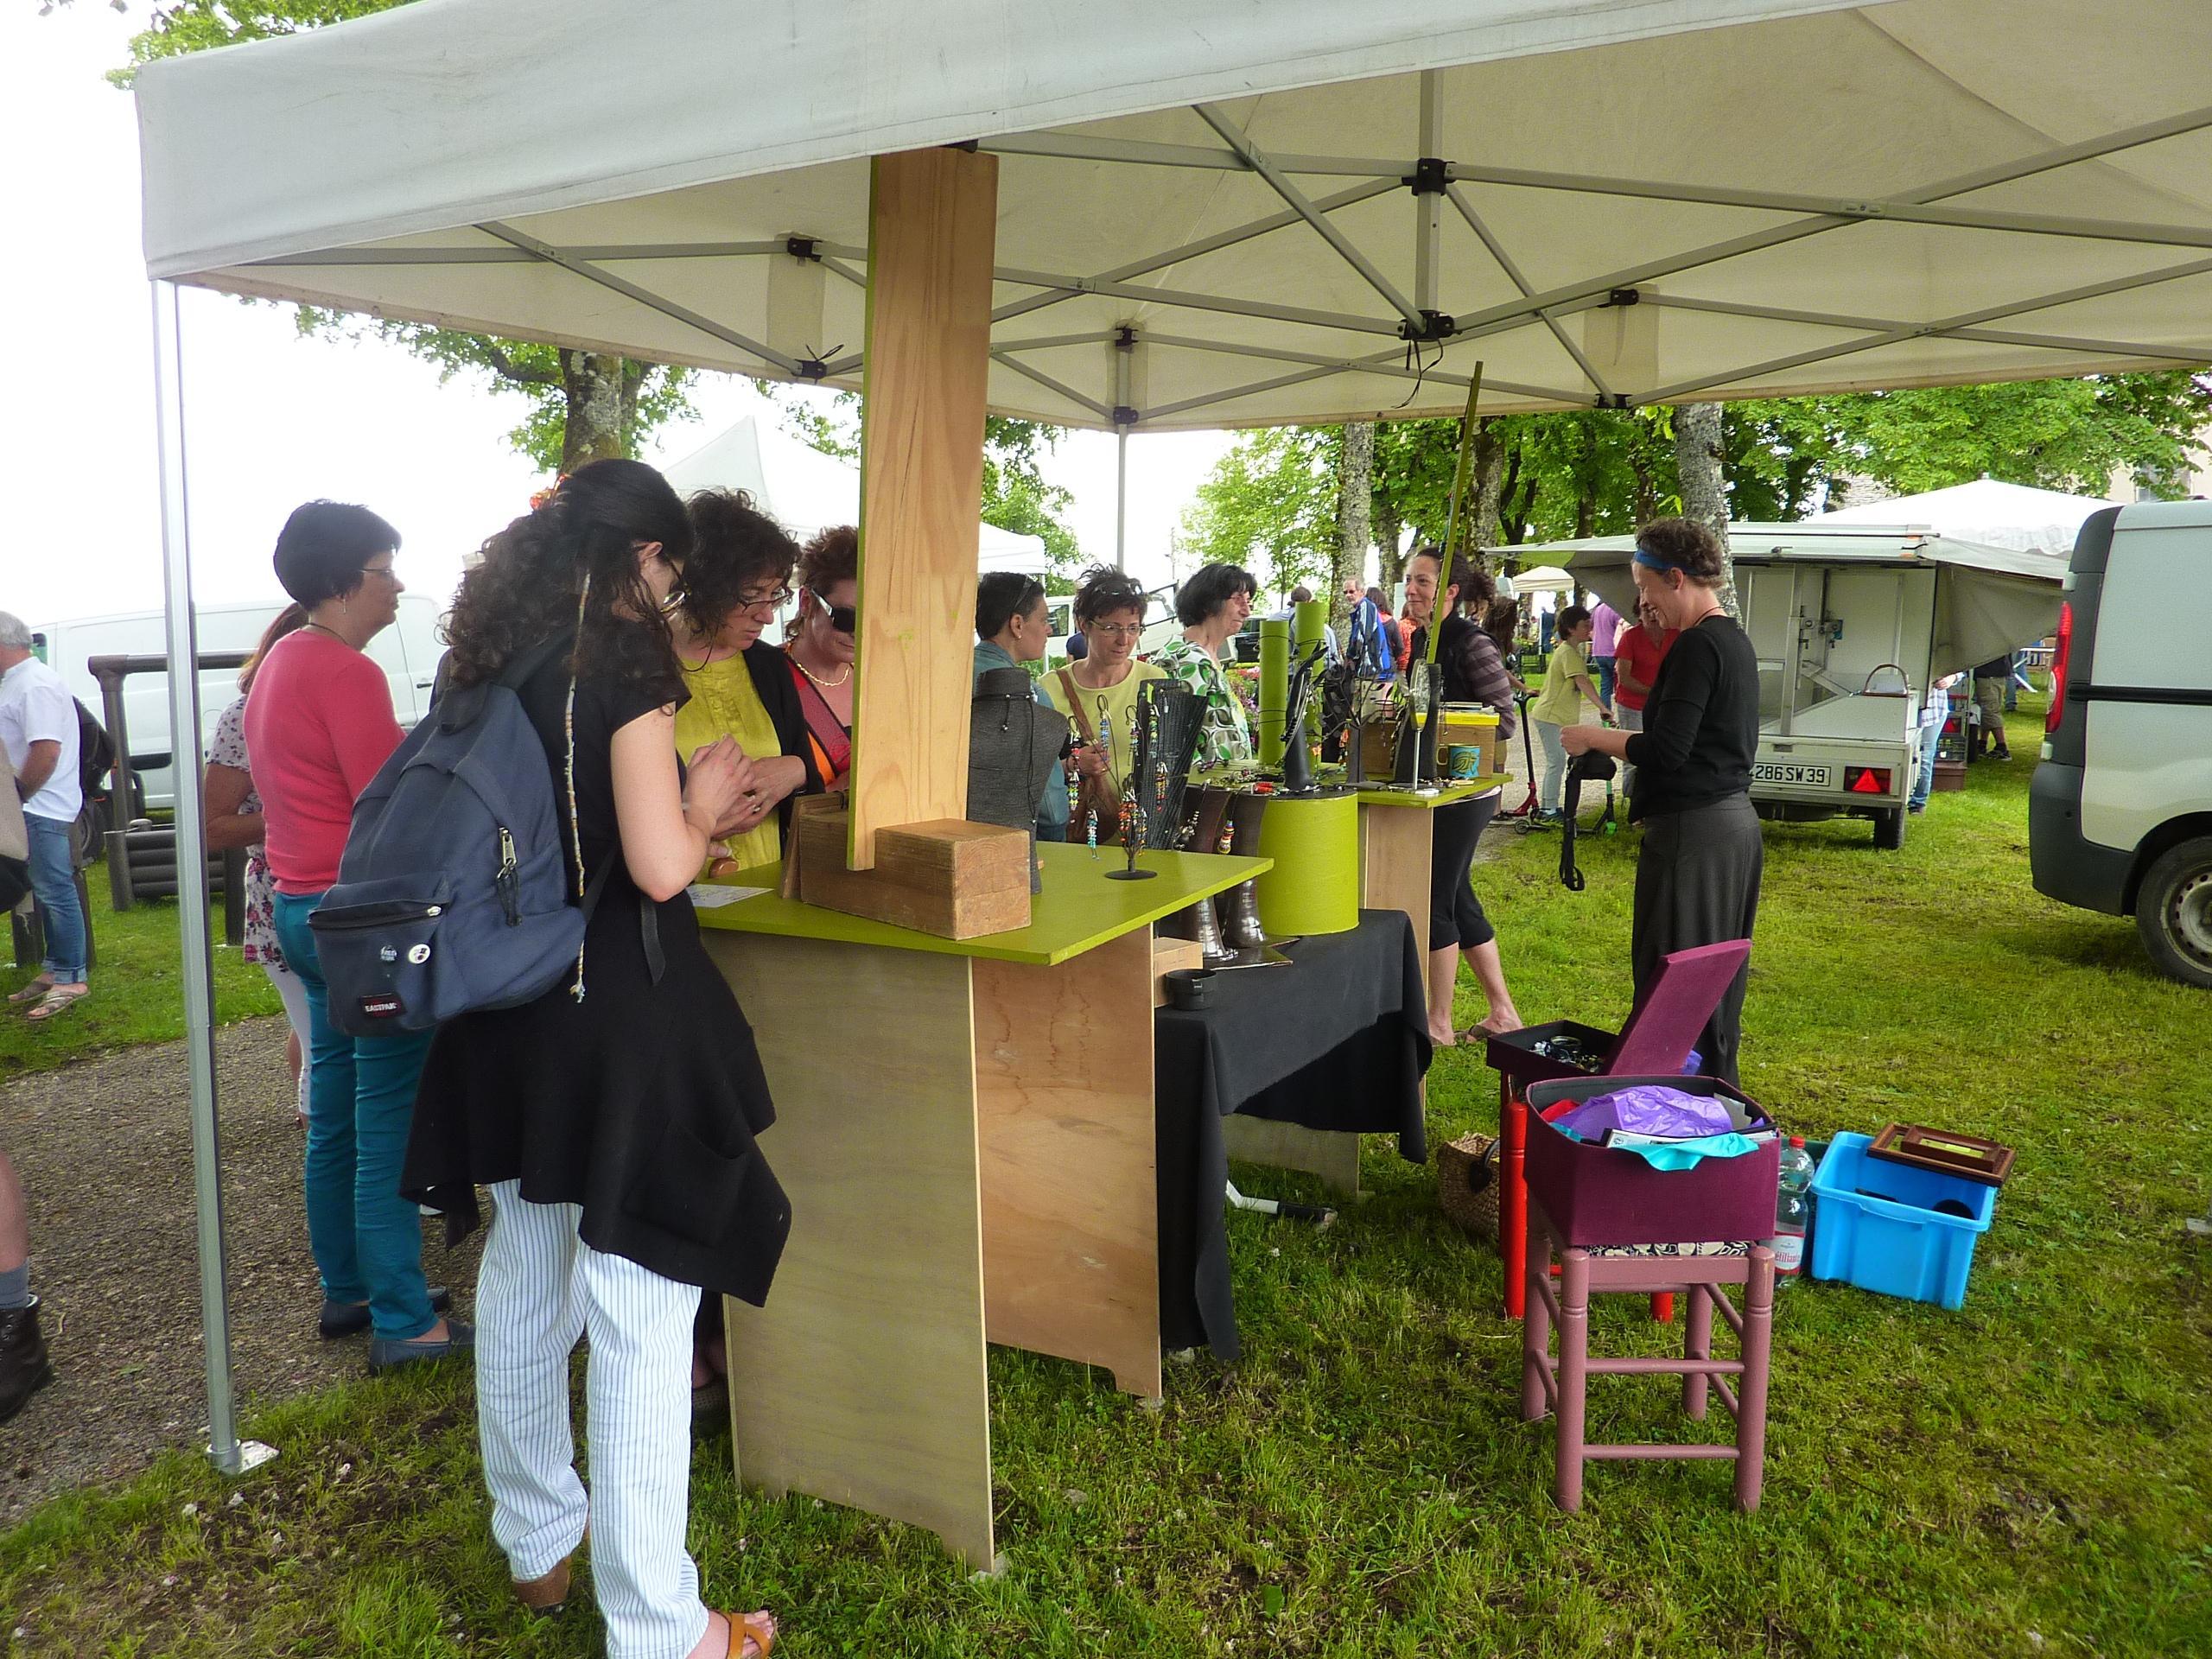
(504, 881)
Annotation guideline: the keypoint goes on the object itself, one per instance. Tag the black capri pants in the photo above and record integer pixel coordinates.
(1455, 915)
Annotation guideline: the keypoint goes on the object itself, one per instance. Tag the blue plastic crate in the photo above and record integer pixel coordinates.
(1878, 1226)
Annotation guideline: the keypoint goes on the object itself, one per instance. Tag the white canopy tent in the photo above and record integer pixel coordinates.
(806, 491)
(1987, 511)
(1209, 212)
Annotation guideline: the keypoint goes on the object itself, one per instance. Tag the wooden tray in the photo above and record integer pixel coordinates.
(1966, 1156)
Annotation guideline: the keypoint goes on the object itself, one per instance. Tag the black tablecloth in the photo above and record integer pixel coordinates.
(1338, 1040)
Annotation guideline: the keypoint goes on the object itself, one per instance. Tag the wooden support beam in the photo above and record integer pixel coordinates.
(933, 223)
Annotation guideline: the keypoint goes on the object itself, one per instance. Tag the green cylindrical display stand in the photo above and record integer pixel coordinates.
(1314, 887)
(1310, 620)
(1275, 689)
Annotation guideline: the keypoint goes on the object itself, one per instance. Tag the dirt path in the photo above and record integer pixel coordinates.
(105, 1152)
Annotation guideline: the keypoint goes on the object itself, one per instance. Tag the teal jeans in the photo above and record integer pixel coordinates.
(367, 1240)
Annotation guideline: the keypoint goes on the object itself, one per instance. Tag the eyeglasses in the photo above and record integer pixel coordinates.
(843, 618)
(770, 602)
(1114, 630)
(385, 570)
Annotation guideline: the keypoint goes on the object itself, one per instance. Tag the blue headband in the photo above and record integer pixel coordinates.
(1651, 561)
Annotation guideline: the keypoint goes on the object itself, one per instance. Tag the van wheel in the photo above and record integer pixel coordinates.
(1889, 828)
(2173, 912)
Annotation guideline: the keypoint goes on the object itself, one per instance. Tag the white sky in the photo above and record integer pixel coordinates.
(273, 420)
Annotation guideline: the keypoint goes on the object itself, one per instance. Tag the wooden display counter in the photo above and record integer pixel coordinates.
(965, 1131)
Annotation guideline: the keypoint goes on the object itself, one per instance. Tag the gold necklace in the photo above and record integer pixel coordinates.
(826, 685)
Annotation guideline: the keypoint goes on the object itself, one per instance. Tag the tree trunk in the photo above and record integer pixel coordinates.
(1390, 561)
(1700, 462)
(1488, 465)
(1355, 504)
(602, 399)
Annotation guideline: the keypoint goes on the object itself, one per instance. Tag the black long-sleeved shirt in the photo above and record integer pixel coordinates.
(1473, 669)
(1701, 724)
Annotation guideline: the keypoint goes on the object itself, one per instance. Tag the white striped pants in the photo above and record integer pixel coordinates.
(540, 1287)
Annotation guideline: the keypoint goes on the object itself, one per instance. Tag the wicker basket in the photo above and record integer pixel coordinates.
(1466, 1185)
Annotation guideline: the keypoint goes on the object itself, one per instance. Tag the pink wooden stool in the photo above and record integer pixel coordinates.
(1557, 1384)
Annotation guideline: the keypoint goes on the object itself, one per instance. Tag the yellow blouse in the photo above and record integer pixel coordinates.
(1121, 703)
(724, 703)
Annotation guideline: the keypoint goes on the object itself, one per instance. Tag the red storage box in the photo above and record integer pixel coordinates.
(1599, 1196)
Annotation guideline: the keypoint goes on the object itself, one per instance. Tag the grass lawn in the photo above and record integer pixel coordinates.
(136, 995)
(2030, 1474)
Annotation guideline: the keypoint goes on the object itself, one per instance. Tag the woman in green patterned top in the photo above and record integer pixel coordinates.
(1212, 606)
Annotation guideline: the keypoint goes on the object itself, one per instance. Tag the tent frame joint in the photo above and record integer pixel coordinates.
(1434, 328)
(1431, 176)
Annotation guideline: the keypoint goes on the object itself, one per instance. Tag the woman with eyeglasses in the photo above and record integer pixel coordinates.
(735, 580)
(820, 647)
(1213, 606)
(1098, 694)
(319, 724)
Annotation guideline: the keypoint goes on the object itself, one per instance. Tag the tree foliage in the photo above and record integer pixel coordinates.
(1270, 503)
(582, 405)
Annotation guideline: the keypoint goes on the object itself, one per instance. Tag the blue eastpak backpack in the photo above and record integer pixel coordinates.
(454, 893)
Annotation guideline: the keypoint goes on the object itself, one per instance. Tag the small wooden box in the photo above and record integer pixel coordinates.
(948, 877)
(1168, 956)
(1949, 775)
(1379, 749)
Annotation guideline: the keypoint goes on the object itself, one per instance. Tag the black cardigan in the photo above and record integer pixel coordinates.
(1701, 724)
(771, 679)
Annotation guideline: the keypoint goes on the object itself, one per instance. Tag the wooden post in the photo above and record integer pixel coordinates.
(933, 223)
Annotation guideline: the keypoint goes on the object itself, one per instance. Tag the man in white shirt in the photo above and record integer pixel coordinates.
(38, 730)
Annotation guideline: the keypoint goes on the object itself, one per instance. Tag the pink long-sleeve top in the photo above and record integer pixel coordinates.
(318, 724)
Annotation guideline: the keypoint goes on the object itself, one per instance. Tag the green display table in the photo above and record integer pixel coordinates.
(965, 1131)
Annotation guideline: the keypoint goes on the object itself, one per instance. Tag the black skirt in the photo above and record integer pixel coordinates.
(1697, 883)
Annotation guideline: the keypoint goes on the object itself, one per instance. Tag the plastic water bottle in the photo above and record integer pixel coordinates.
(1793, 1212)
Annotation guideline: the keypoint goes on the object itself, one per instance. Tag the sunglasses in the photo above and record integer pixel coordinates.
(843, 618)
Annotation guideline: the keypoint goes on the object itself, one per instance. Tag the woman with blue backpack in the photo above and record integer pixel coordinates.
(613, 1115)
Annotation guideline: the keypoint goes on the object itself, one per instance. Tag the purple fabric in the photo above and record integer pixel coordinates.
(1606, 635)
(1649, 1110)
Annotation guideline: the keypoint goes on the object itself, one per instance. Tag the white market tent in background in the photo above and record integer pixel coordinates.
(805, 491)
(1209, 212)
(1984, 511)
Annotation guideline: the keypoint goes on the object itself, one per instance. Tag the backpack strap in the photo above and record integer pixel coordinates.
(459, 707)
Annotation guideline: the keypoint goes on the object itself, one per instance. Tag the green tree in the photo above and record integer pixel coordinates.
(1270, 507)
(583, 406)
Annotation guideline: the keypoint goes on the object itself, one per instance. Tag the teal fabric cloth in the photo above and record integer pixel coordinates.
(1052, 812)
(1687, 1154)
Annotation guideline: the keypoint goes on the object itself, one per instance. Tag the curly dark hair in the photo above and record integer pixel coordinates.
(526, 589)
(1686, 542)
(1102, 590)
(830, 556)
(1209, 589)
(735, 546)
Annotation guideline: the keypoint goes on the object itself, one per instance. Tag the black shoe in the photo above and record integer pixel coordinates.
(386, 1352)
(23, 1367)
(2001, 754)
(350, 1318)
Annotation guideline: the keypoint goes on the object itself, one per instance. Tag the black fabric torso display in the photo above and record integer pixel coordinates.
(1337, 1041)
(641, 1101)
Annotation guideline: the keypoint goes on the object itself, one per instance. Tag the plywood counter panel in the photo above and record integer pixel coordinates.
(863, 1379)
(1064, 1104)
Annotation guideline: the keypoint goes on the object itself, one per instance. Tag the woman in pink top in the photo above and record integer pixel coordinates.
(319, 724)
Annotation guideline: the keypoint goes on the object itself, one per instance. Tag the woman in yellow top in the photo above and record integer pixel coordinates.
(737, 578)
(1566, 684)
(1099, 694)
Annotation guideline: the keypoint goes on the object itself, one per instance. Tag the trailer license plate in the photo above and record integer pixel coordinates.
(1775, 772)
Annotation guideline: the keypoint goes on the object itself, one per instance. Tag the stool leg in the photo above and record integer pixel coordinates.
(1573, 1350)
(1759, 1347)
(1697, 1344)
(1513, 1198)
(1537, 1326)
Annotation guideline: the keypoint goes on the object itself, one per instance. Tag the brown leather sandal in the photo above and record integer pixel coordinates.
(751, 1635)
(545, 1597)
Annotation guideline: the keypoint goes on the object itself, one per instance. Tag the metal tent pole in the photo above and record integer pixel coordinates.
(1120, 497)
(225, 1449)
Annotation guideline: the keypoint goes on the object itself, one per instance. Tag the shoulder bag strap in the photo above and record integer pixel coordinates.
(1074, 694)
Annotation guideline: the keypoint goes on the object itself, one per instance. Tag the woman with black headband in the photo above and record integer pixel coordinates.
(1697, 874)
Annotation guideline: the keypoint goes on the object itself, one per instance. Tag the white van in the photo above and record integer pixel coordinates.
(2120, 811)
(408, 653)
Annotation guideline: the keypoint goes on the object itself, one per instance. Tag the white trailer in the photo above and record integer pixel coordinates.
(1851, 624)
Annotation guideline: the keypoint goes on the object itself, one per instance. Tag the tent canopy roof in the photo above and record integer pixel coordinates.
(1605, 201)
(1984, 510)
(1814, 541)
